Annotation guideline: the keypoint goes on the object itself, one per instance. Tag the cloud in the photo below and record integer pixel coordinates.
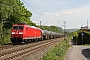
(85, 6)
(74, 17)
(47, 13)
(52, 14)
(62, 3)
(66, 13)
(57, 14)
(82, 11)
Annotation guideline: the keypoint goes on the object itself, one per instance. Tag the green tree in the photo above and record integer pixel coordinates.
(50, 28)
(20, 14)
(53, 28)
(12, 11)
(5, 11)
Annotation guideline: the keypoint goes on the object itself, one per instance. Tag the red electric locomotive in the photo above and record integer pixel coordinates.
(24, 33)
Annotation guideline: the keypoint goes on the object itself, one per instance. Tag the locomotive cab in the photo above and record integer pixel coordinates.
(17, 33)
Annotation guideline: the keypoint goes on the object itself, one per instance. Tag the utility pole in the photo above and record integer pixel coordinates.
(87, 23)
(40, 23)
(65, 32)
(64, 26)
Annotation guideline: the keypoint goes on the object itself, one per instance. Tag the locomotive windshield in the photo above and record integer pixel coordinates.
(18, 27)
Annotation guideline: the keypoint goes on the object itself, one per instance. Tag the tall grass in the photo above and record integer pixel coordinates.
(58, 52)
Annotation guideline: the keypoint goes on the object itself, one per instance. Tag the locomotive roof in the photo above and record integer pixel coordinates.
(34, 27)
(27, 25)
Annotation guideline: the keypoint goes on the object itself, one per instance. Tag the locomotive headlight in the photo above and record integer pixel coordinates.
(20, 32)
(13, 32)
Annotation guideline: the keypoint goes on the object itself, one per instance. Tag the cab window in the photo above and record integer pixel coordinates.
(17, 27)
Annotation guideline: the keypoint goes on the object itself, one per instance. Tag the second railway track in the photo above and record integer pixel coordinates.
(25, 52)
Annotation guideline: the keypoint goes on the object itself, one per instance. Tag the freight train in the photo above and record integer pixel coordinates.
(23, 33)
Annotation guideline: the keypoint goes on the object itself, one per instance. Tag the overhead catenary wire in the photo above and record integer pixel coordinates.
(32, 7)
(35, 9)
(36, 4)
(60, 23)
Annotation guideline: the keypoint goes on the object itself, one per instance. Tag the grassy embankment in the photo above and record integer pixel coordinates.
(58, 52)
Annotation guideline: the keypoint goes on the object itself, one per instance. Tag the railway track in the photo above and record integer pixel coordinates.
(6, 46)
(29, 51)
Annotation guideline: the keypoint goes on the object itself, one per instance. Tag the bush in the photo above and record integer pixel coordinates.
(82, 40)
(86, 37)
(6, 37)
(58, 52)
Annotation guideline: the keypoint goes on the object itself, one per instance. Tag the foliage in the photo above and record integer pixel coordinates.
(50, 28)
(58, 52)
(85, 39)
(75, 36)
(19, 14)
(11, 12)
(5, 11)
(6, 37)
(81, 40)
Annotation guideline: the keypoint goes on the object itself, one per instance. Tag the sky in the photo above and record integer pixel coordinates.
(75, 13)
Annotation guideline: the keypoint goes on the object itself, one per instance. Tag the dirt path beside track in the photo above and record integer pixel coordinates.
(78, 52)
